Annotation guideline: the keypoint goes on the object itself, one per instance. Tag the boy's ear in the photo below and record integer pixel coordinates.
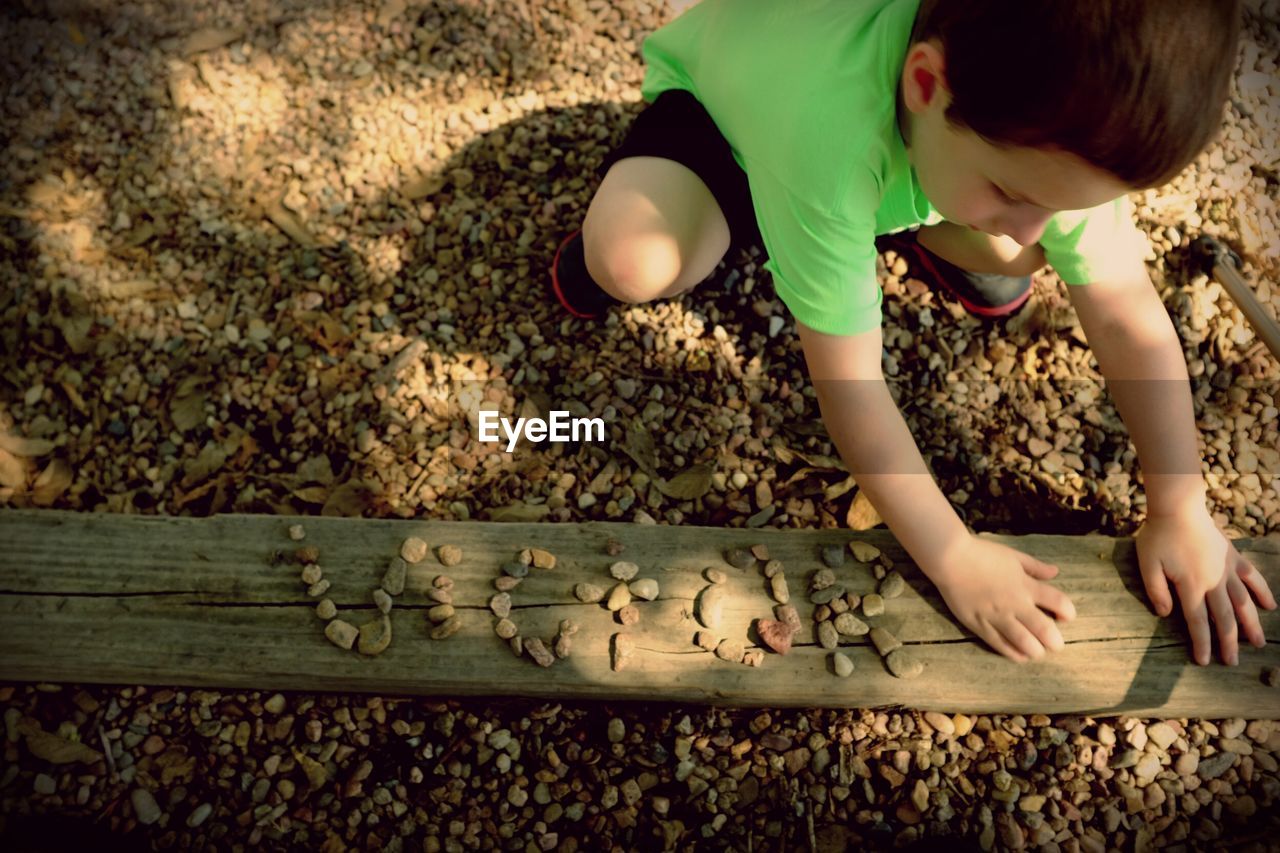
(923, 76)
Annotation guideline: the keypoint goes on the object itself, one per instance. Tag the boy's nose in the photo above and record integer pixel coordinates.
(1026, 227)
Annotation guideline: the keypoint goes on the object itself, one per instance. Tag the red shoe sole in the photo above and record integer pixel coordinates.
(555, 282)
(980, 310)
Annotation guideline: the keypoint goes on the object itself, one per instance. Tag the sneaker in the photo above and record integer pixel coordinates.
(573, 285)
(981, 294)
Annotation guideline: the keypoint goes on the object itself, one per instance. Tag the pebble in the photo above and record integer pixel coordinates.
(787, 613)
(45, 784)
(892, 586)
(884, 641)
(394, 577)
(342, 634)
(730, 650)
(842, 664)
(623, 650)
(539, 652)
(828, 638)
(714, 575)
(326, 609)
(706, 640)
(1215, 765)
(903, 664)
(619, 597)
(646, 588)
(199, 815)
(772, 567)
(753, 657)
(872, 605)
(1271, 676)
(628, 614)
(381, 600)
(623, 570)
(447, 628)
(832, 556)
(826, 596)
(145, 807)
(776, 635)
(297, 533)
(616, 730)
(505, 628)
(711, 606)
(412, 550)
(613, 547)
(940, 722)
(822, 579)
(515, 569)
(588, 593)
(441, 612)
(506, 583)
(274, 705)
(449, 555)
(542, 559)
(850, 625)
(318, 588)
(442, 582)
(760, 551)
(500, 604)
(778, 588)
(863, 552)
(307, 554)
(739, 558)
(1162, 735)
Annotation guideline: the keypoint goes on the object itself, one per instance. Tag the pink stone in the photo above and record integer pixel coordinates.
(776, 635)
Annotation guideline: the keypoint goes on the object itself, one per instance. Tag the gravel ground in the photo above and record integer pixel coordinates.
(268, 257)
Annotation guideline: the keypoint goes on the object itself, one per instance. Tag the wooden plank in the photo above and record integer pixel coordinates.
(153, 600)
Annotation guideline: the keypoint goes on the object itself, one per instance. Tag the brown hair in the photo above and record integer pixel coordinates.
(1134, 87)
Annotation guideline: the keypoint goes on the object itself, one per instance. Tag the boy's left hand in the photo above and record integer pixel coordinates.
(1211, 579)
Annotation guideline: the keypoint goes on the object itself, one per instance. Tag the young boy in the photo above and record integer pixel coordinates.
(1010, 130)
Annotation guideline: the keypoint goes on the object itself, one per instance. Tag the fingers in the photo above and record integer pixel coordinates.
(1043, 629)
(1246, 614)
(1225, 620)
(1019, 637)
(1157, 587)
(1054, 600)
(1038, 568)
(997, 641)
(1256, 583)
(1193, 610)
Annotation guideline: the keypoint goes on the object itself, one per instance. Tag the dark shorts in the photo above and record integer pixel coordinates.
(677, 127)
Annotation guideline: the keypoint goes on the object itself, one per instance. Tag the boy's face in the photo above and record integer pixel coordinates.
(1009, 191)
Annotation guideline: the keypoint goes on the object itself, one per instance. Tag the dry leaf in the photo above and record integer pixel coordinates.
(786, 456)
(517, 512)
(13, 471)
(862, 515)
(74, 319)
(212, 457)
(839, 490)
(312, 494)
(289, 222)
(639, 446)
(54, 749)
(209, 38)
(350, 499)
(53, 481)
(21, 446)
(317, 469)
(691, 483)
(187, 410)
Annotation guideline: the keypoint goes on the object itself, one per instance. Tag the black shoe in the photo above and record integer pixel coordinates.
(981, 294)
(573, 285)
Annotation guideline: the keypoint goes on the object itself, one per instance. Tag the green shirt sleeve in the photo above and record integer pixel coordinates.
(823, 266)
(1084, 246)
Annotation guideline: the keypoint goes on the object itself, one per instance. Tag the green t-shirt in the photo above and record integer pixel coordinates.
(805, 94)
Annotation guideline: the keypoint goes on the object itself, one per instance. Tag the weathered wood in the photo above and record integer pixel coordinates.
(202, 602)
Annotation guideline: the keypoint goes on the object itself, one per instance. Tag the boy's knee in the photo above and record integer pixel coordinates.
(635, 269)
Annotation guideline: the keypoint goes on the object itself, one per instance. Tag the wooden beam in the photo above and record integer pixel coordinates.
(200, 602)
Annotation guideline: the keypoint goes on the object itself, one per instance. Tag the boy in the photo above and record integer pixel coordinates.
(1011, 130)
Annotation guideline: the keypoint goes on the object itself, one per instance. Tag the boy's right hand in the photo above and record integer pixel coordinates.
(998, 592)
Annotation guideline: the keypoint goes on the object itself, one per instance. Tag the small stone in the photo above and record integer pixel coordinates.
(714, 575)
(613, 547)
(1271, 676)
(568, 627)
(619, 597)
(623, 570)
(646, 588)
(441, 612)
(623, 650)
(920, 796)
(739, 558)
(375, 636)
(616, 730)
(275, 704)
(1215, 765)
(851, 626)
(776, 635)
(1147, 767)
(440, 596)
(562, 646)
(842, 664)
(515, 569)
(628, 614)
(826, 596)
(394, 577)
(730, 650)
(823, 578)
(711, 606)
(1187, 763)
(588, 593)
(412, 550)
(199, 815)
(500, 604)
(863, 552)
(506, 629)
(706, 640)
(449, 555)
(326, 609)
(822, 613)
(940, 722)
(542, 559)
(892, 586)
(787, 613)
(525, 557)
(341, 634)
(442, 582)
(772, 567)
(381, 600)
(837, 606)
(45, 784)
(541, 655)
(506, 583)
(778, 588)
(1161, 734)
(318, 588)
(760, 552)
(517, 645)
(307, 554)
(884, 641)
(827, 636)
(753, 657)
(872, 604)
(297, 533)
(832, 556)
(447, 628)
(145, 807)
(903, 664)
